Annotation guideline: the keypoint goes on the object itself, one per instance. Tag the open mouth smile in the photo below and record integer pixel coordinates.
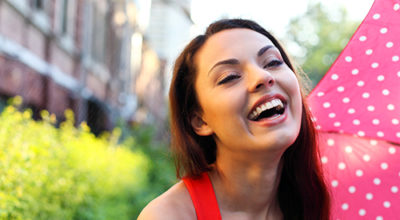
(268, 109)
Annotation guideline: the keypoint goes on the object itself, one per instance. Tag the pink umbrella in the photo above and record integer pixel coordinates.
(357, 111)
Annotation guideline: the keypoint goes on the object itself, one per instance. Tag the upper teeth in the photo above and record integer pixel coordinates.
(268, 105)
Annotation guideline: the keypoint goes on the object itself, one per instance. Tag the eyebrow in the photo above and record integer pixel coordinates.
(235, 61)
(264, 49)
(225, 62)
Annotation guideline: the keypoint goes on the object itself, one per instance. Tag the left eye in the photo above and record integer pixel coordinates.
(274, 63)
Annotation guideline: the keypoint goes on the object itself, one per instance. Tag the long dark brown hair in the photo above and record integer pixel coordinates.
(302, 192)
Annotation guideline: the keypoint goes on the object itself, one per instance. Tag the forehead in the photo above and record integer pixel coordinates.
(232, 43)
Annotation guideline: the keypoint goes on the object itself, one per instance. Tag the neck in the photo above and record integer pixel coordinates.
(247, 185)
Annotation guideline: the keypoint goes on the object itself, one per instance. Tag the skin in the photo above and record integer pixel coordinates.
(231, 78)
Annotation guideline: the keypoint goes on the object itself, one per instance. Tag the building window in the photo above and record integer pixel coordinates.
(96, 118)
(64, 17)
(66, 12)
(38, 4)
(40, 17)
(98, 38)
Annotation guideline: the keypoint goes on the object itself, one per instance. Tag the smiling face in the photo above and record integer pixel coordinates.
(250, 99)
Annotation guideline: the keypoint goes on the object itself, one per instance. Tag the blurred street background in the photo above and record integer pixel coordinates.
(83, 93)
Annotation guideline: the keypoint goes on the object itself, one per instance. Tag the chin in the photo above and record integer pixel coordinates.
(285, 140)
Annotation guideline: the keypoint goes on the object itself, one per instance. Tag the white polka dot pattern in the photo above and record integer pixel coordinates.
(357, 111)
(362, 88)
(396, 7)
(364, 175)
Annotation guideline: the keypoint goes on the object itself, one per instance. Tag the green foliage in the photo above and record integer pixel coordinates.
(161, 170)
(321, 34)
(68, 173)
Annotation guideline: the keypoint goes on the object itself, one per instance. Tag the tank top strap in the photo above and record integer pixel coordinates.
(203, 197)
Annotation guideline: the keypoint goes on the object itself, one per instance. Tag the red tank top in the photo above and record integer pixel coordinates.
(203, 197)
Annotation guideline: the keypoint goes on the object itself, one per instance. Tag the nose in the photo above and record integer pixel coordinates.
(259, 79)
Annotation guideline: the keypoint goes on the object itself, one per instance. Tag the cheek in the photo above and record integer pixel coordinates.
(292, 88)
(297, 101)
(220, 106)
(222, 110)
(290, 84)
(295, 94)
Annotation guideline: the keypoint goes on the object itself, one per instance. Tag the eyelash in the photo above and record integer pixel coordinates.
(273, 63)
(228, 78)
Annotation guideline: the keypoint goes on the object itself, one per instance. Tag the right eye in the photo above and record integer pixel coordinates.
(228, 79)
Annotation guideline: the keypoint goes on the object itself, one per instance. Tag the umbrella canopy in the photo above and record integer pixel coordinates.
(364, 175)
(357, 110)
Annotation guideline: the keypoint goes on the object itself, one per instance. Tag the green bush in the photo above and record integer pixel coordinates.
(68, 173)
(161, 170)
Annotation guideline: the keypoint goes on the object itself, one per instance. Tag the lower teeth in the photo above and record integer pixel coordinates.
(274, 116)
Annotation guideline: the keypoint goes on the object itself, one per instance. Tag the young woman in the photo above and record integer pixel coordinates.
(242, 133)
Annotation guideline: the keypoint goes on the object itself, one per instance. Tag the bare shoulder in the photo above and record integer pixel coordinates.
(173, 204)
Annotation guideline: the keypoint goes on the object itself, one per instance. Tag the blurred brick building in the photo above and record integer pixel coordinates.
(77, 54)
(104, 59)
(167, 33)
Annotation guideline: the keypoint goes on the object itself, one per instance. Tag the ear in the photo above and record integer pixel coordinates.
(200, 126)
